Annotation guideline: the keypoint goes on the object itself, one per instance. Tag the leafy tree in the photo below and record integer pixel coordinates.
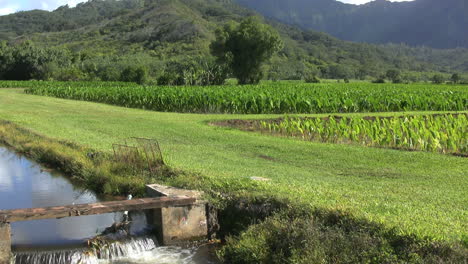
(137, 74)
(362, 73)
(437, 79)
(455, 78)
(394, 75)
(28, 61)
(5, 58)
(245, 47)
(70, 74)
(339, 71)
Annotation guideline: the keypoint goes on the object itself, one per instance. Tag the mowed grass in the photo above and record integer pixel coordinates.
(416, 192)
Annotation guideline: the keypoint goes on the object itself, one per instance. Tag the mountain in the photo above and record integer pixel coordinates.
(434, 23)
(102, 37)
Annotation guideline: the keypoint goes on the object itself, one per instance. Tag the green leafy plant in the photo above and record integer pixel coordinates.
(245, 47)
(435, 133)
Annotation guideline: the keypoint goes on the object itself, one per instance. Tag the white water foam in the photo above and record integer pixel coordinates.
(143, 250)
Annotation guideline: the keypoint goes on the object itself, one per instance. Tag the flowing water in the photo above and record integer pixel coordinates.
(24, 184)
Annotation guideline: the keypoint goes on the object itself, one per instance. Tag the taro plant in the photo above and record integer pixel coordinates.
(446, 133)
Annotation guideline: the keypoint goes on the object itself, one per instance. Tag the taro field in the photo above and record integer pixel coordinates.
(266, 98)
(444, 133)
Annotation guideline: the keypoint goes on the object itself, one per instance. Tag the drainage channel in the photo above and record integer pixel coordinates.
(25, 184)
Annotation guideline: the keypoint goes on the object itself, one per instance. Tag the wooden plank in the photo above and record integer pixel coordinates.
(8, 216)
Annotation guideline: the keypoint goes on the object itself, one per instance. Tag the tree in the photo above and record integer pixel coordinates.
(5, 58)
(27, 61)
(245, 47)
(134, 74)
(394, 75)
(437, 79)
(455, 78)
(339, 71)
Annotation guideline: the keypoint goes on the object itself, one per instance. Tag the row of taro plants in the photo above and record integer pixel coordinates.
(266, 98)
(48, 84)
(435, 133)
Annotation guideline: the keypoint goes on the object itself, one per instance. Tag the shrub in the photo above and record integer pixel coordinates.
(312, 79)
(455, 78)
(70, 74)
(379, 80)
(437, 79)
(331, 237)
(193, 71)
(137, 74)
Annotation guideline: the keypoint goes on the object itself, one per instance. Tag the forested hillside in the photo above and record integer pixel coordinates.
(101, 39)
(433, 23)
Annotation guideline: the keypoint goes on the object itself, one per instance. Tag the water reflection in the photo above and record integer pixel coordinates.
(23, 184)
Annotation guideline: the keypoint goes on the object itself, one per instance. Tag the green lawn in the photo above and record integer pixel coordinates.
(419, 193)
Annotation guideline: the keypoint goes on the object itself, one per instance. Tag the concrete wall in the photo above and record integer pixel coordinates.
(178, 225)
(5, 243)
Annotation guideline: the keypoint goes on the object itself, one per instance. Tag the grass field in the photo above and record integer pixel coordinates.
(417, 193)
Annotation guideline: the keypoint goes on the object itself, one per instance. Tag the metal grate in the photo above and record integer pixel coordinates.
(140, 153)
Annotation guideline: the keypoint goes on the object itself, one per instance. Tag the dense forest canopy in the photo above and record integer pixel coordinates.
(168, 41)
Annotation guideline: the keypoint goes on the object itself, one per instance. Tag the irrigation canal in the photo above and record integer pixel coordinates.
(25, 184)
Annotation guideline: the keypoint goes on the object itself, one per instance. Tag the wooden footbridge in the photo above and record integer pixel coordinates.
(173, 215)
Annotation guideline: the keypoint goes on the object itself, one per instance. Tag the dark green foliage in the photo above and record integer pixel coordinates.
(311, 79)
(394, 75)
(134, 74)
(455, 78)
(339, 71)
(180, 73)
(27, 61)
(246, 47)
(193, 71)
(381, 79)
(69, 74)
(332, 237)
(438, 79)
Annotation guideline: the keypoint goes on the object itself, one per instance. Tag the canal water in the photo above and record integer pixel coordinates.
(25, 184)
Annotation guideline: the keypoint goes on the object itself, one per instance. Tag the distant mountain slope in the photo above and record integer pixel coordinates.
(433, 23)
(64, 18)
(152, 32)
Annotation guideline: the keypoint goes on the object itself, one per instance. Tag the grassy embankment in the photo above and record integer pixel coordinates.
(417, 193)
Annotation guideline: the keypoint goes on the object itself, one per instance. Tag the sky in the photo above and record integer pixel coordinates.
(358, 2)
(12, 6)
